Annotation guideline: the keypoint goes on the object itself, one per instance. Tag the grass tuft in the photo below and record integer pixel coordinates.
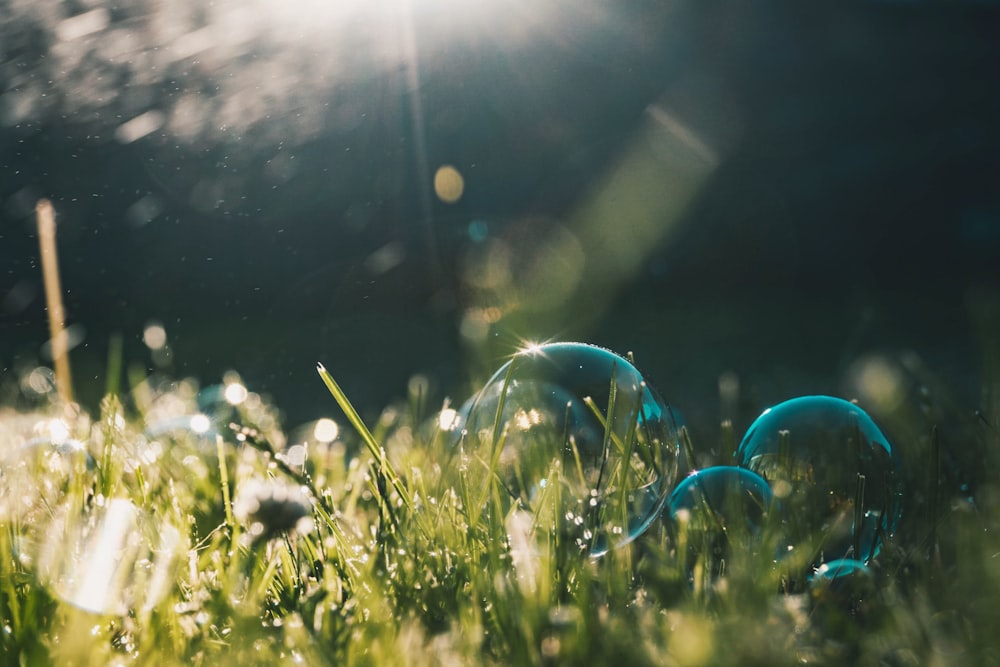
(387, 546)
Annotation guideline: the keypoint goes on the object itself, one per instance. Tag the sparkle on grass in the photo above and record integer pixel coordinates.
(447, 419)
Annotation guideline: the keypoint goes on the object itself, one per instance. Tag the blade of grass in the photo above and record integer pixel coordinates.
(859, 517)
(112, 381)
(220, 448)
(383, 467)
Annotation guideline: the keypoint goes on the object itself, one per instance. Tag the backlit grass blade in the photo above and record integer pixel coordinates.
(383, 467)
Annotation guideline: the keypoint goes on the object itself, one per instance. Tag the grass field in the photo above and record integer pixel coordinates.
(142, 536)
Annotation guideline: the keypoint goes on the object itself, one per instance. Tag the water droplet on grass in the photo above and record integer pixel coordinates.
(831, 455)
(573, 430)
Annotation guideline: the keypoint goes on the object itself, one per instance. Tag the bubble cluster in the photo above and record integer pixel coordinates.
(573, 434)
(835, 472)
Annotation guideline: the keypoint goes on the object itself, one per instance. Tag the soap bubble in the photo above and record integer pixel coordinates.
(840, 572)
(837, 472)
(35, 477)
(42, 469)
(54, 455)
(177, 413)
(843, 584)
(198, 427)
(572, 433)
(718, 511)
(110, 558)
(195, 419)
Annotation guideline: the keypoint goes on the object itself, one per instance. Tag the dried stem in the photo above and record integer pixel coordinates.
(46, 220)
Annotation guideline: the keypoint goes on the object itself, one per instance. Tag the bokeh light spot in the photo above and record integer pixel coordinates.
(879, 382)
(154, 335)
(200, 423)
(478, 230)
(140, 126)
(447, 419)
(326, 430)
(40, 381)
(448, 184)
(296, 455)
(84, 24)
(235, 393)
(58, 431)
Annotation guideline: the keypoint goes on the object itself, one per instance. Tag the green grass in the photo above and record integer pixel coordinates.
(383, 548)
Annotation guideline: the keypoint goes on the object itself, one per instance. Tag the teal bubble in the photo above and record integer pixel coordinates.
(841, 570)
(478, 230)
(844, 584)
(61, 451)
(834, 471)
(717, 514)
(573, 434)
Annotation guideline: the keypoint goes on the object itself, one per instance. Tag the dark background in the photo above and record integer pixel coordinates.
(281, 211)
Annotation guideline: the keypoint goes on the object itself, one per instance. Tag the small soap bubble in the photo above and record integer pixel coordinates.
(568, 429)
(44, 449)
(844, 584)
(841, 570)
(215, 401)
(179, 414)
(718, 512)
(198, 425)
(34, 478)
(838, 474)
(228, 410)
(60, 453)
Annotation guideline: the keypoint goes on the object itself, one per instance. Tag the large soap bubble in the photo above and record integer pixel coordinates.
(836, 472)
(573, 434)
